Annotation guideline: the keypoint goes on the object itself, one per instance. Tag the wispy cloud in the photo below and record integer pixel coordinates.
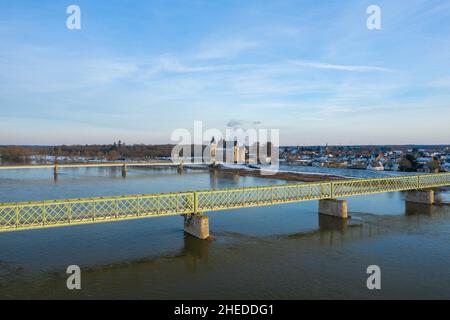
(236, 124)
(441, 82)
(301, 67)
(104, 72)
(171, 63)
(333, 110)
(49, 69)
(228, 48)
(339, 67)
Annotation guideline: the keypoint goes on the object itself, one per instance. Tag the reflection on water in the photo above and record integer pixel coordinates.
(195, 252)
(330, 223)
(39, 184)
(415, 209)
(286, 251)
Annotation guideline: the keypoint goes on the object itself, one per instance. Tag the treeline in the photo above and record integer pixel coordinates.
(15, 153)
(409, 163)
(115, 151)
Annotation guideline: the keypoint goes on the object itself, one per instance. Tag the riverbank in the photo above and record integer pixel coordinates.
(258, 172)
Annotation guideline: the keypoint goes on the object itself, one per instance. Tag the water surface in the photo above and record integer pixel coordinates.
(280, 252)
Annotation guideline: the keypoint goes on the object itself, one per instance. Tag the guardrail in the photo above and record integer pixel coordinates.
(40, 214)
(101, 165)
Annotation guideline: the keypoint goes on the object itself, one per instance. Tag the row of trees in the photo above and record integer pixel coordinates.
(111, 152)
(15, 154)
(409, 164)
(118, 151)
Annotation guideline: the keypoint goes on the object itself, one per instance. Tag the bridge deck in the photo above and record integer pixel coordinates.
(100, 164)
(42, 214)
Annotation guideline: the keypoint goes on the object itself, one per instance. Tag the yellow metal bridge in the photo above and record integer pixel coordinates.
(43, 214)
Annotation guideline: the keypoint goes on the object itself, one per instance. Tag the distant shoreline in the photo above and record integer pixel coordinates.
(281, 175)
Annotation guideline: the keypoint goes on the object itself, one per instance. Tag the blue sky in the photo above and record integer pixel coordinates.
(137, 70)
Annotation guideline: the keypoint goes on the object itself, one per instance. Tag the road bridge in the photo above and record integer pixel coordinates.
(123, 165)
(193, 204)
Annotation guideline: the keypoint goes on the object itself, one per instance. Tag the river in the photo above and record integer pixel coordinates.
(277, 252)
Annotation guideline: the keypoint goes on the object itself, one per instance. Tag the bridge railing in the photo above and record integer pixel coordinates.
(77, 211)
(434, 180)
(367, 186)
(220, 199)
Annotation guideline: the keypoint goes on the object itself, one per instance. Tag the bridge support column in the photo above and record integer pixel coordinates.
(420, 196)
(197, 226)
(333, 207)
(124, 170)
(180, 168)
(55, 172)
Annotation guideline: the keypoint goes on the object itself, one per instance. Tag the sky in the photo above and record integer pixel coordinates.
(138, 70)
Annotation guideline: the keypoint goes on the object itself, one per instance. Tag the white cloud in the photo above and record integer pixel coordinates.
(171, 63)
(236, 124)
(333, 110)
(441, 82)
(225, 48)
(102, 71)
(339, 67)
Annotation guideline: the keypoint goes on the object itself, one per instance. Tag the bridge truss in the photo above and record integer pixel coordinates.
(43, 214)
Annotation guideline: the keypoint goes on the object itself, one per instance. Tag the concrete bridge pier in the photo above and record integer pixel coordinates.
(197, 225)
(124, 170)
(333, 207)
(55, 172)
(180, 168)
(423, 196)
(332, 223)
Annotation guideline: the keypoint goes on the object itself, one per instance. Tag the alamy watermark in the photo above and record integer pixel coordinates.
(74, 280)
(374, 20)
(73, 22)
(374, 280)
(232, 145)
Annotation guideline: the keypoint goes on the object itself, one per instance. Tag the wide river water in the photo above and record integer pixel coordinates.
(276, 252)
